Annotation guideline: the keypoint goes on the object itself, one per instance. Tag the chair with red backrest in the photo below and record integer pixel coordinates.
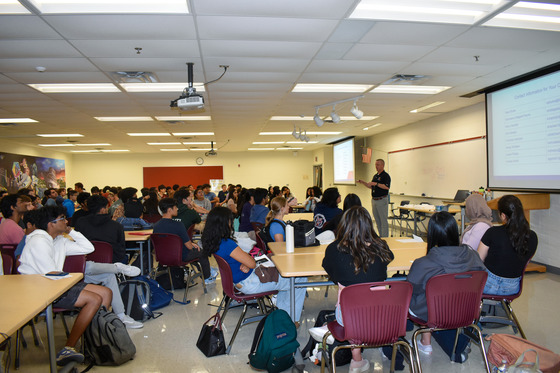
(232, 293)
(257, 226)
(103, 252)
(169, 253)
(374, 315)
(454, 301)
(7, 264)
(9, 250)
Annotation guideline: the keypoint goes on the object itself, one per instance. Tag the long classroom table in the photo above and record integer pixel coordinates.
(307, 261)
(141, 237)
(425, 210)
(24, 296)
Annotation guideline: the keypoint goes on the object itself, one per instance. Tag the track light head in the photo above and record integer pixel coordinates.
(334, 116)
(294, 133)
(356, 112)
(318, 121)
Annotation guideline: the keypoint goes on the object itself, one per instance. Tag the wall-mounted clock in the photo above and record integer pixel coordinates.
(199, 161)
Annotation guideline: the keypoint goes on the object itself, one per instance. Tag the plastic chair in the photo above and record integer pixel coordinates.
(505, 302)
(9, 250)
(103, 252)
(169, 253)
(374, 315)
(404, 216)
(232, 293)
(421, 217)
(257, 226)
(454, 302)
(7, 264)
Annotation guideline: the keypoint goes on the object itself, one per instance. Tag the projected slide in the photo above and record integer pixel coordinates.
(343, 161)
(524, 134)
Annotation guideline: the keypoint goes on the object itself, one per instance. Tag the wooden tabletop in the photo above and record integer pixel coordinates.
(24, 296)
(451, 210)
(142, 235)
(299, 216)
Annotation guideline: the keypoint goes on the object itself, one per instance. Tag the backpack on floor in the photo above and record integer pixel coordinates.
(177, 276)
(142, 296)
(107, 341)
(274, 343)
(342, 357)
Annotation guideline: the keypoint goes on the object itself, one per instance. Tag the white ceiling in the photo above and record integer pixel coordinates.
(270, 47)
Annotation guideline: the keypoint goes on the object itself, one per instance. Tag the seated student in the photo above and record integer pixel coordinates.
(290, 198)
(246, 202)
(150, 207)
(45, 252)
(185, 212)
(83, 211)
(327, 209)
(222, 194)
(218, 238)
(13, 207)
(506, 249)
(132, 218)
(95, 273)
(232, 200)
(358, 255)
(444, 255)
(209, 195)
(115, 201)
(350, 200)
(200, 204)
(310, 200)
(167, 224)
(275, 219)
(480, 219)
(259, 211)
(70, 203)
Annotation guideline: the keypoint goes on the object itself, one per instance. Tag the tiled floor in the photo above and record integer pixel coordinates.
(167, 344)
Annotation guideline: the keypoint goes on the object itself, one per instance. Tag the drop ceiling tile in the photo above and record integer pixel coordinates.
(497, 57)
(124, 27)
(242, 48)
(355, 67)
(409, 33)
(505, 38)
(381, 52)
(60, 77)
(341, 78)
(147, 64)
(126, 48)
(257, 64)
(26, 27)
(8, 65)
(459, 69)
(37, 48)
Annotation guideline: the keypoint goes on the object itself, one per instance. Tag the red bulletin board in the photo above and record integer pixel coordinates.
(195, 175)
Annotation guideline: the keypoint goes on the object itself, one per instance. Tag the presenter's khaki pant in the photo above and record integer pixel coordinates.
(380, 208)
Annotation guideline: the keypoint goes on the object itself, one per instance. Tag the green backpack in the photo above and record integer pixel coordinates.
(275, 343)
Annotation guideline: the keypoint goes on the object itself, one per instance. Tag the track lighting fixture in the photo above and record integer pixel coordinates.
(334, 116)
(318, 121)
(295, 134)
(356, 112)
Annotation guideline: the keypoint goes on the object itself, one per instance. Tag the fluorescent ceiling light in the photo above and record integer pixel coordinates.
(17, 120)
(260, 148)
(433, 104)
(289, 148)
(55, 145)
(437, 11)
(372, 117)
(193, 133)
(148, 134)
(309, 118)
(199, 149)
(124, 119)
(160, 87)
(174, 150)
(100, 144)
(332, 88)
(85, 151)
(112, 6)
(301, 143)
(308, 132)
(12, 7)
(197, 143)
(75, 88)
(114, 150)
(60, 135)
(410, 89)
(267, 142)
(373, 126)
(528, 15)
(164, 143)
(180, 118)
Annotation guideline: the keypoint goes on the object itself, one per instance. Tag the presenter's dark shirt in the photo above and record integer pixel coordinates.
(382, 178)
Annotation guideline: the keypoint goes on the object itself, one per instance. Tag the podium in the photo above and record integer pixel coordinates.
(540, 201)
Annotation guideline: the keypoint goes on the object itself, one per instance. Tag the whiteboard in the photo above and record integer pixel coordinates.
(439, 170)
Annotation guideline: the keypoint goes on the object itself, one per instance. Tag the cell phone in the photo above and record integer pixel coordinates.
(57, 274)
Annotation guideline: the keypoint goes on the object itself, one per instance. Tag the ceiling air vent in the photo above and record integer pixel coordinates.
(134, 77)
(403, 79)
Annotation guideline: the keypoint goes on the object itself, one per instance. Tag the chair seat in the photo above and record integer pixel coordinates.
(240, 296)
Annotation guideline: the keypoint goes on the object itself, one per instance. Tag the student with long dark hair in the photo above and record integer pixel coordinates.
(217, 238)
(357, 255)
(327, 209)
(506, 249)
(444, 255)
(244, 205)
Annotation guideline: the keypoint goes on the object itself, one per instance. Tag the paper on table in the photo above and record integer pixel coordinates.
(57, 277)
(414, 238)
(264, 260)
(289, 238)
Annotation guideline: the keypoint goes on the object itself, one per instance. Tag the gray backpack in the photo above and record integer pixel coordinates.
(107, 341)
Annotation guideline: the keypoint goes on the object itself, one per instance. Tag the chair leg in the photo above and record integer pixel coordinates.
(403, 342)
(31, 323)
(199, 274)
(415, 347)
(512, 317)
(226, 307)
(455, 344)
(19, 340)
(237, 327)
(189, 278)
(170, 279)
(482, 350)
(65, 325)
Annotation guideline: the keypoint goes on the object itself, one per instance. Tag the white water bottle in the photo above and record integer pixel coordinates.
(289, 238)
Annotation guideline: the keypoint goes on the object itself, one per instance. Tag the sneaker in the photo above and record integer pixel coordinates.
(319, 332)
(67, 355)
(210, 280)
(214, 272)
(425, 349)
(363, 367)
(130, 323)
(130, 271)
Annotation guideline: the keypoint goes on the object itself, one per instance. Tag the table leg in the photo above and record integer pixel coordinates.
(293, 298)
(149, 257)
(50, 338)
(462, 219)
(141, 256)
(415, 223)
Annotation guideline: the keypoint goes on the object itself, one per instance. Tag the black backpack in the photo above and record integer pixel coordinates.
(343, 356)
(107, 341)
(142, 296)
(264, 233)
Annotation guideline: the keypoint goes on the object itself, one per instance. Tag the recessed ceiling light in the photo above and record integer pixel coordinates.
(529, 15)
(60, 135)
(148, 134)
(260, 148)
(301, 143)
(12, 7)
(56, 145)
(17, 120)
(308, 132)
(199, 149)
(75, 88)
(100, 144)
(197, 143)
(309, 118)
(114, 150)
(113, 6)
(373, 126)
(174, 150)
(193, 133)
(433, 104)
(186, 117)
(159, 87)
(289, 148)
(164, 143)
(124, 119)
(410, 89)
(331, 88)
(267, 142)
(85, 151)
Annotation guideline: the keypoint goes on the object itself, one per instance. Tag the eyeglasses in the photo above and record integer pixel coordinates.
(57, 220)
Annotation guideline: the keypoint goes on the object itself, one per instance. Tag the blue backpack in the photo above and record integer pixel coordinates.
(274, 343)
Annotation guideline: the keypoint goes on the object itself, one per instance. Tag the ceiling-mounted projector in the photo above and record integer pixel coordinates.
(189, 99)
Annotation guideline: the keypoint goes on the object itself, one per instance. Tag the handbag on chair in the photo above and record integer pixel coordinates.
(211, 339)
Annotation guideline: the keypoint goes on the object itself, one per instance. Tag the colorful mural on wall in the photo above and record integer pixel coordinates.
(38, 173)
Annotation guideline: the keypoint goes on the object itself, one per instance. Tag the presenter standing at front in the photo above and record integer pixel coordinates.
(379, 186)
